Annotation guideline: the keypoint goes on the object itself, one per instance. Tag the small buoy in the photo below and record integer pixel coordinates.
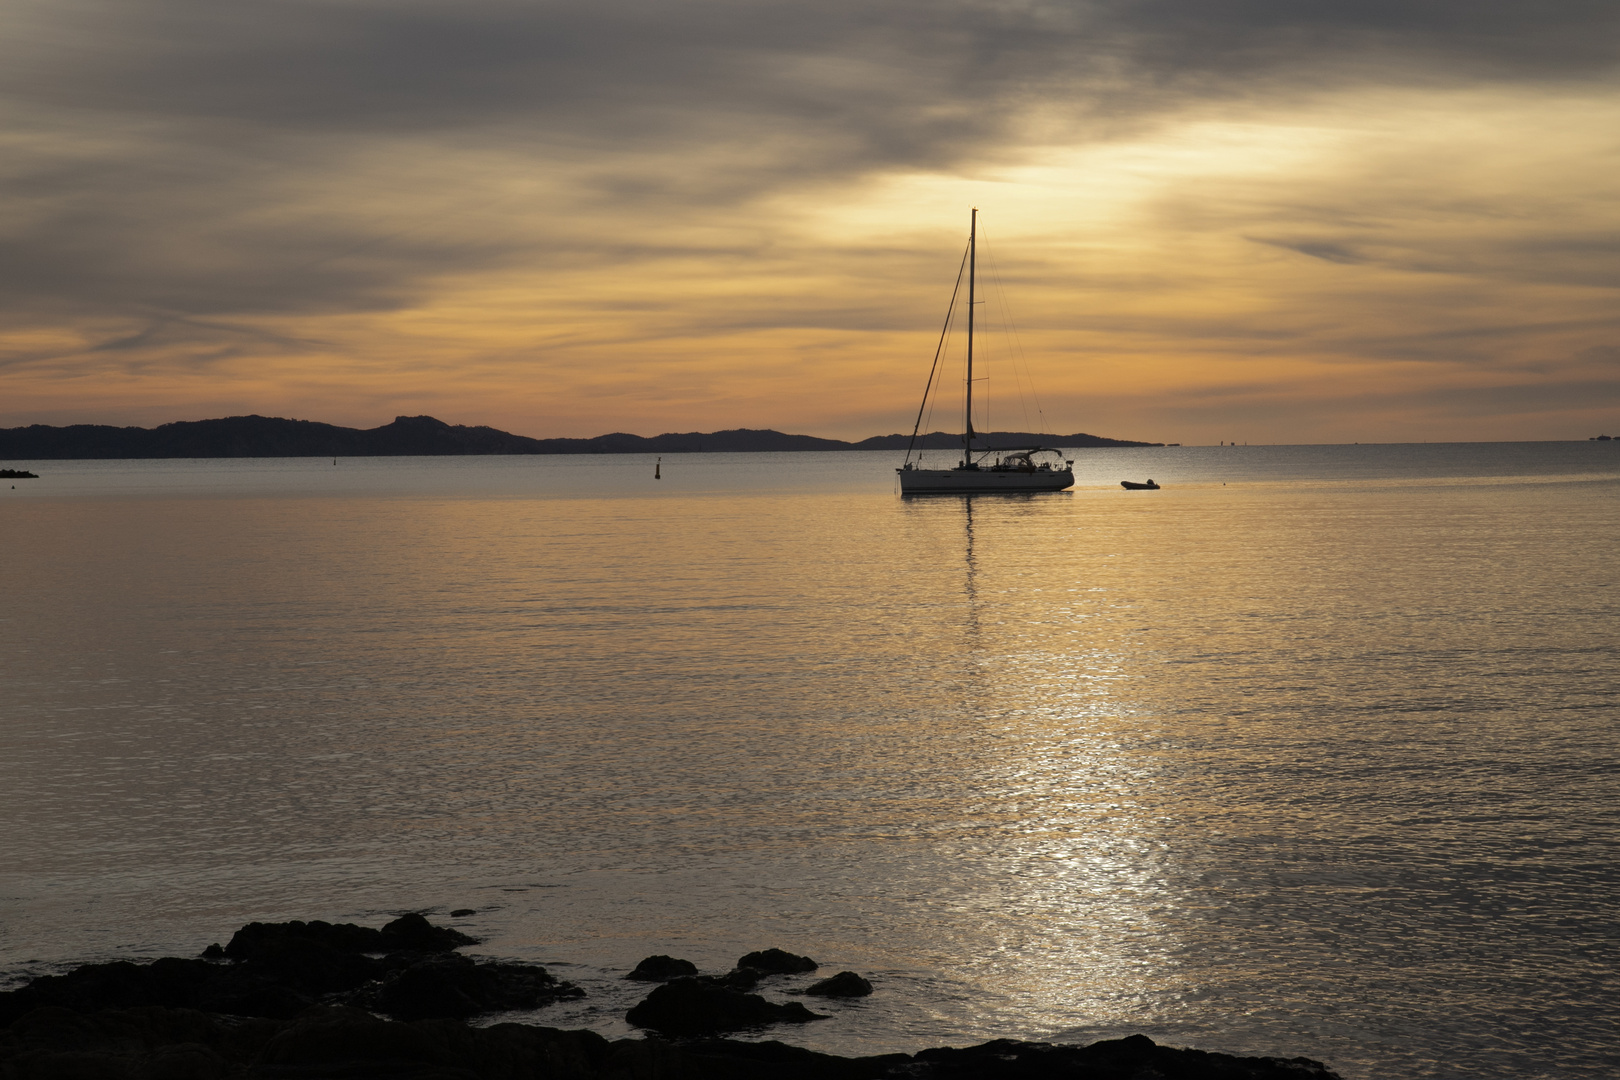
(658, 469)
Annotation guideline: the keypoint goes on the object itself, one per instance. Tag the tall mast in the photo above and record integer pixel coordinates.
(973, 259)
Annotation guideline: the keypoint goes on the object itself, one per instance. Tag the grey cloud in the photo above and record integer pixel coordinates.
(172, 330)
(1528, 397)
(179, 124)
(1280, 407)
(1496, 39)
(1327, 250)
(1549, 258)
(902, 73)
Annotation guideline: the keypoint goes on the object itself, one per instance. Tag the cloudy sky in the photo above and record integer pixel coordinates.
(1258, 220)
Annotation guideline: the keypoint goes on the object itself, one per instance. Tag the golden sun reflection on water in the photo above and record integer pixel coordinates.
(1070, 892)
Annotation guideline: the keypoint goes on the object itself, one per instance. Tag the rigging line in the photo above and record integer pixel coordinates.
(938, 349)
(1018, 347)
(997, 288)
(1003, 314)
(933, 401)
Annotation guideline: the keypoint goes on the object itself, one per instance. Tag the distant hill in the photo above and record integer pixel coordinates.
(412, 436)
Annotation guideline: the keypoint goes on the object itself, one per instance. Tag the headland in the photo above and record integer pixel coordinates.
(425, 436)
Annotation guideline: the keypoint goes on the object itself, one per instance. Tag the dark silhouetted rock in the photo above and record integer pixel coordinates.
(172, 982)
(413, 933)
(463, 912)
(279, 970)
(456, 987)
(703, 1059)
(292, 1005)
(351, 1043)
(256, 939)
(777, 962)
(310, 969)
(699, 1007)
(662, 968)
(408, 933)
(355, 1039)
(335, 1043)
(59, 1044)
(843, 984)
(214, 952)
(1115, 1059)
(737, 978)
(274, 988)
(324, 1043)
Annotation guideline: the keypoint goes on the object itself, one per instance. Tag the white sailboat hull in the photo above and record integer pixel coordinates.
(978, 481)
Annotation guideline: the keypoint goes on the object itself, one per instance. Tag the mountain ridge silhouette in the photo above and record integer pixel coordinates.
(426, 436)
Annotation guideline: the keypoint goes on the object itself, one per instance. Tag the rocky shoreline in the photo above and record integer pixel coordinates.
(319, 1000)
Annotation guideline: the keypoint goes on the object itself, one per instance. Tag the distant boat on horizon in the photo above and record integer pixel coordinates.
(1014, 468)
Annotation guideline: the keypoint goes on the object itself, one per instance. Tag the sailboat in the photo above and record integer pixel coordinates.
(982, 469)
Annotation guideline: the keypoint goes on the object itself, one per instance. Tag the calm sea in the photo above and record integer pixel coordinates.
(1312, 752)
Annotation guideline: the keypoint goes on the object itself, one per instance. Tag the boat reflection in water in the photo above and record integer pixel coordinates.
(982, 469)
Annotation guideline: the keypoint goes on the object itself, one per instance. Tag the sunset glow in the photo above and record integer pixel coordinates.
(1266, 227)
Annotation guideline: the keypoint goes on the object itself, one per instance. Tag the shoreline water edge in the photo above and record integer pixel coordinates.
(322, 1000)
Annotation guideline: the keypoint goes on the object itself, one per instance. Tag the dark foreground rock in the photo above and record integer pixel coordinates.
(1133, 1058)
(843, 984)
(408, 933)
(662, 969)
(458, 987)
(279, 970)
(735, 979)
(777, 962)
(298, 1001)
(339, 1043)
(703, 1007)
(325, 1042)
